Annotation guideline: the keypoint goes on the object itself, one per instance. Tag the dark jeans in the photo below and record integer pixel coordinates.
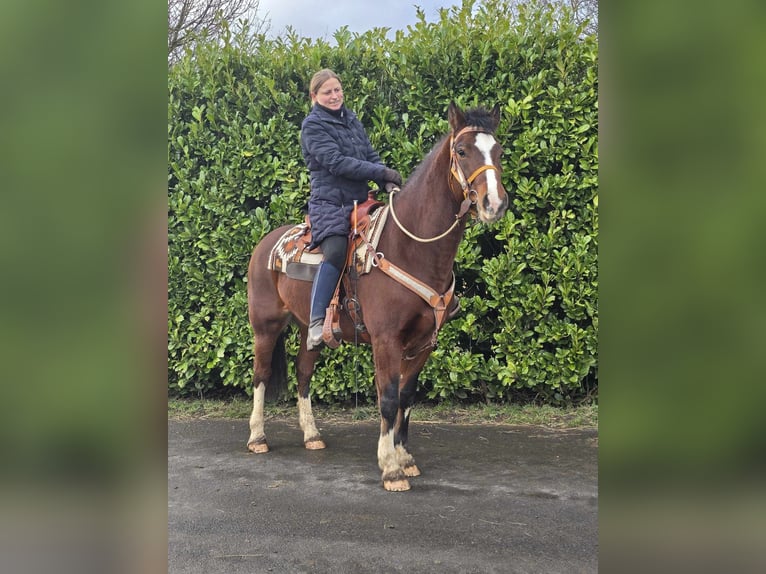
(334, 250)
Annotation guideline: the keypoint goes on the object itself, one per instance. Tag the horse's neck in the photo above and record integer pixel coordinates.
(427, 208)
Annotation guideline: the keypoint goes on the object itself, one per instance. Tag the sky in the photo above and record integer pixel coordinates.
(312, 19)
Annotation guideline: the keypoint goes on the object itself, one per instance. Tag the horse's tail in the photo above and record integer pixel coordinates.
(276, 390)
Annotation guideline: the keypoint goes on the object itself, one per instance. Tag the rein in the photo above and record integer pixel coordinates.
(464, 207)
(469, 195)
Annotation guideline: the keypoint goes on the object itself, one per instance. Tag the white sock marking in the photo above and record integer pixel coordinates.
(403, 457)
(306, 418)
(386, 454)
(256, 417)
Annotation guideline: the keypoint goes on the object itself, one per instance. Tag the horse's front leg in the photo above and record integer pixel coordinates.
(407, 388)
(405, 459)
(387, 384)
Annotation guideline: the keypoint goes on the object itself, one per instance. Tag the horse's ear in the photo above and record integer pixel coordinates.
(455, 117)
(495, 115)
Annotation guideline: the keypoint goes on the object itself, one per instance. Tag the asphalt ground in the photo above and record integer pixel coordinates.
(491, 499)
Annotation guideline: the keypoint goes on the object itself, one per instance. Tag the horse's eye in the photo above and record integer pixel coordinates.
(461, 152)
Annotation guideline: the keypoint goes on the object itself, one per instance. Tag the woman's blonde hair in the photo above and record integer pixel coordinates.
(320, 78)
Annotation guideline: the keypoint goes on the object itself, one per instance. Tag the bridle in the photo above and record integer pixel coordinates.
(469, 194)
(457, 171)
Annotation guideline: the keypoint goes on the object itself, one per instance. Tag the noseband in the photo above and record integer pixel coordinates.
(470, 195)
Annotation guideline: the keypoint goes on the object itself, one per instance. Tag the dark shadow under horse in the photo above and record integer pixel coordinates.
(460, 176)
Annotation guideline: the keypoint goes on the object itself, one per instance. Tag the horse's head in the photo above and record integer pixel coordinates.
(475, 160)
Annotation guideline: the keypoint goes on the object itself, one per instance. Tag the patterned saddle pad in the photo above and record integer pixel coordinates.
(290, 255)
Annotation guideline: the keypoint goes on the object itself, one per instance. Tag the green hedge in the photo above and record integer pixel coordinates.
(528, 284)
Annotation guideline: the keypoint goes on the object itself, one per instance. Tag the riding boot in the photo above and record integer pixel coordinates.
(322, 290)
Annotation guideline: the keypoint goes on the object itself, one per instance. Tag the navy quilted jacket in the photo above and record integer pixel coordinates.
(341, 161)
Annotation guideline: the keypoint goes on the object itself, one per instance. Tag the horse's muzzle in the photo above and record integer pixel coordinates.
(490, 211)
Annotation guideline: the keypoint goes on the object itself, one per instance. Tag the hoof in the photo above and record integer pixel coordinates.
(258, 447)
(396, 485)
(411, 470)
(315, 444)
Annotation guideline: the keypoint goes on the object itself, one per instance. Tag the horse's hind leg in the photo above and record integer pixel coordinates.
(305, 369)
(263, 349)
(257, 441)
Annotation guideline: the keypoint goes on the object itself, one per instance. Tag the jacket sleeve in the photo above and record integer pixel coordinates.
(326, 151)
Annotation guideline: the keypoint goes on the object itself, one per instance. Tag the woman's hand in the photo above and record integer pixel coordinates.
(391, 176)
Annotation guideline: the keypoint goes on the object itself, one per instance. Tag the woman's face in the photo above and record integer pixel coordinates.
(330, 94)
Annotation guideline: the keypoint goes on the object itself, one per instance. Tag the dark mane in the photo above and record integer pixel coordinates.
(480, 118)
(422, 167)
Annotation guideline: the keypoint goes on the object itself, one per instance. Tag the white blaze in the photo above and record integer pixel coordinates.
(485, 143)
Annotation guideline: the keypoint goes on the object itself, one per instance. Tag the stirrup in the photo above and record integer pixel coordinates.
(331, 335)
(314, 342)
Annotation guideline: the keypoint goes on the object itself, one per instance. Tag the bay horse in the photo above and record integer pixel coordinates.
(420, 241)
